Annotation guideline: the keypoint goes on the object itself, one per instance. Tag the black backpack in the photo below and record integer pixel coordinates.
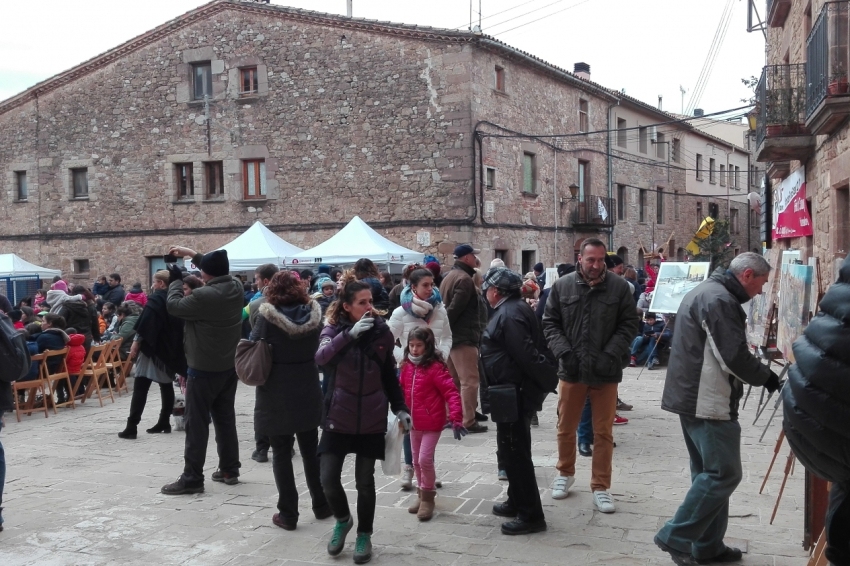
(14, 355)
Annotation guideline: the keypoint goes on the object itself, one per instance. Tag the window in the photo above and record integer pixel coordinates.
(713, 210)
(754, 218)
(623, 252)
(214, 179)
(490, 177)
(660, 147)
(254, 178)
(754, 176)
(529, 258)
(642, 205)
(501, 254)
(20, 185)
(621, 202)
(583, 179)
(676, 204)
(722, 175)
(642, 139)
(81, 266)
(183, 180)
(583, 122)
(248, 83)
(529, 173)
(80, 182)
(201, 80)
(500, 79)
(711, 177)
(677, 150)
(842, 210)
(700, 217)
(733, 221)
(621, 133)
(736, 180)
(699, 167)
(659, 205)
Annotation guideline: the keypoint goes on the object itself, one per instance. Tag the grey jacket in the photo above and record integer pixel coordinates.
(709, 357)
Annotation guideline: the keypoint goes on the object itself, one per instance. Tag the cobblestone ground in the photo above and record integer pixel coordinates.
(77, 494)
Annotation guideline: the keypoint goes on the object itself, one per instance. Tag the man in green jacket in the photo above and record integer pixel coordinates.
(213, 318)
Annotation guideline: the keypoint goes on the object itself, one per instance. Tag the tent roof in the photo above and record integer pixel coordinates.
(256, 246)
(356, 240)
(13, 266)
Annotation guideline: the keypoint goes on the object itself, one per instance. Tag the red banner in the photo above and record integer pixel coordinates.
(791, 217)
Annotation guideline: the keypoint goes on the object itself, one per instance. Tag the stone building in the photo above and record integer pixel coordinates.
(237, 112)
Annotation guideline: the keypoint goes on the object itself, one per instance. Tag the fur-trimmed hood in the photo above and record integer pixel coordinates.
(294, 320)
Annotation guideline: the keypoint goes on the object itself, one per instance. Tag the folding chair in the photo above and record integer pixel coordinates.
(94, 374)
(116, 366)
(60, 374)
(31, 388)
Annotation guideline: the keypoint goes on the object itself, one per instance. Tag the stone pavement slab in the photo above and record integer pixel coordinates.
(76, 494)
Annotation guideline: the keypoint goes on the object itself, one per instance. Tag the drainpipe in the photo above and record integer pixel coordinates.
(610, 172)
(557, 209)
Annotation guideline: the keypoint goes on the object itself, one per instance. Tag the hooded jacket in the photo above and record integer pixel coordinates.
(290, 400)
(51, 339)
(139, 297)
(76, 353)
(427, 391)
(709, 357)
(462, 305)
(816, 398)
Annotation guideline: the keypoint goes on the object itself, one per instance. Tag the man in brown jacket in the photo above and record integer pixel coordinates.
(462, 306)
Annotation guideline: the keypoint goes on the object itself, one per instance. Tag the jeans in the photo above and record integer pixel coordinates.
(644, 348)
(284, 477)
(513, 441)
(463, 365)
(2, 469)
(141, 386)
(585, 425)
(700, 522)
(424, 445)
(364, 480)
(210, 394)
(837, 524)
(408, 452)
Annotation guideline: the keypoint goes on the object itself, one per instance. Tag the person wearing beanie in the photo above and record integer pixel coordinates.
(498, 262)
(436, 270)
(539, 274)
(212, 317)
(137, 294)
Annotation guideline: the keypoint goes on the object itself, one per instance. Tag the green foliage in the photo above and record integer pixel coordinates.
(716, 248)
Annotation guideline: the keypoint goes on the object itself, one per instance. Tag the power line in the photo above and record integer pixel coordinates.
(498, 13)
(713, 50)
(544, 17)
(527, 13)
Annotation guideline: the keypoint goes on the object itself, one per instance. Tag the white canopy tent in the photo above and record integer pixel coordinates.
(356, 240)
(13, 266)
(256, 246)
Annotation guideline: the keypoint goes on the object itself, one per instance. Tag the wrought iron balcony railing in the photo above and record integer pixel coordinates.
(781, 101)
(594, 211)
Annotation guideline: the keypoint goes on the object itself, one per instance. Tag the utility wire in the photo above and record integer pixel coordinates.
(713, 50)
(543, 17)
(498, 13)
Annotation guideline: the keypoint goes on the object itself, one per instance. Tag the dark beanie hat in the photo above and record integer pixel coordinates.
(538, 267)
(325, 269)
(613, 260)
(215, 263)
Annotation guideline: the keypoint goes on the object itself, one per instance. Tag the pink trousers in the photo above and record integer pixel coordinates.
(424, 444)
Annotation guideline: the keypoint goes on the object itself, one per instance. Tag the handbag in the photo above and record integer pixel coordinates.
(254, 360)
(391, 464)
(504, 403)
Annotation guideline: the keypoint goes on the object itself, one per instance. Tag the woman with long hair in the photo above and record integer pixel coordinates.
(289, 404)
(158, 351)
(355, 352)
(366, 271)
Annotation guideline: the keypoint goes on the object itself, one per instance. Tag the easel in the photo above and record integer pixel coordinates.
(818, 557)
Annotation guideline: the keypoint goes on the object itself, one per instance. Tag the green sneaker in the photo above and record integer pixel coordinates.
(337, 541)
(363, 548)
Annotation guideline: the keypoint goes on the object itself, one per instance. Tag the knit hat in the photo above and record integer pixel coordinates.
(327, 283)
(465, 249)
(215, 263)
(428, 259)
(59, 286)
(538, 267)
(503, 279)
(324, 269)
(137, 288)
(565, 269)
(433, 267)
(498, 262)
(613, 260)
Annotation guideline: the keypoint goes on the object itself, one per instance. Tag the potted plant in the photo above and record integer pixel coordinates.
(838, 79)
(773, 112)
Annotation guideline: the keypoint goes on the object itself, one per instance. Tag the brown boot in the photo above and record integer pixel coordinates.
(426, 509)
(413, 509)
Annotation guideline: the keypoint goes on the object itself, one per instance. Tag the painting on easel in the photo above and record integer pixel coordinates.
(795, 285)
(759, 308)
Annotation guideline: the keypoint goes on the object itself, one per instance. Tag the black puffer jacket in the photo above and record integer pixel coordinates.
(817, 397)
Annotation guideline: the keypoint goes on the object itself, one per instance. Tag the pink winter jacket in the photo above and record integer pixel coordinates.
(427, 390)
(140, 298)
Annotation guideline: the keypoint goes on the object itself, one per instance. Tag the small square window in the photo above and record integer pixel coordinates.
(81, 266)
(500, 78)
(184, 181)
(214, 179)
(254, 179)
(201, 80)
(248, 83)
(490, 178)
(583, 121)
(80, 182)
(20, 185)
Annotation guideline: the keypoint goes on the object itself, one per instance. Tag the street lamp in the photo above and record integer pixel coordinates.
(573, 191)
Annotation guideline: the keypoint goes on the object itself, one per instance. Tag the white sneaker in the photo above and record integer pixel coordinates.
(604, 502)
(561, 487)
(407, 478)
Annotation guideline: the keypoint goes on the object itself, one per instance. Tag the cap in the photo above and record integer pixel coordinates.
(538, 267)
(215, 263)
(503, 279)
(465, 249)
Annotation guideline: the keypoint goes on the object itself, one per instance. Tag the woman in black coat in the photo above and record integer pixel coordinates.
(817, 408)
(289, 404)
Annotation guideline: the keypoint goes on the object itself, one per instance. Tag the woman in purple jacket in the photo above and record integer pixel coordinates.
(356, 356)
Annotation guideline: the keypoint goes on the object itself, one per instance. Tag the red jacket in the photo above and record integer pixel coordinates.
(140, 298)
(76, 354)
(427, 390)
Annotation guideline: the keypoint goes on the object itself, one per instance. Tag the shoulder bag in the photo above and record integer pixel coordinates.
(254, 358)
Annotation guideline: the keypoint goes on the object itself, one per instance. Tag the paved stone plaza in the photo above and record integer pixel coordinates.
(76, 494)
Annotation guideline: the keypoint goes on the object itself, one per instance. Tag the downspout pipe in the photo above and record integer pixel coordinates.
(610, 171)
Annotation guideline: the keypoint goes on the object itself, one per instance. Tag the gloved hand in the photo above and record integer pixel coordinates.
(404, 420)
(459, 431)
(361, 326)
(772, 383)
(174, 273)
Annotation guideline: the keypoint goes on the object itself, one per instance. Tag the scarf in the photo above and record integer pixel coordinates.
(592, 282)
(415, 306)
(415, 360)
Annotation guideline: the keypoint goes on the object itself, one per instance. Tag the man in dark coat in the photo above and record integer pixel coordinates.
(709, 363)
(511, 353)
(817, 408)
(115, 294)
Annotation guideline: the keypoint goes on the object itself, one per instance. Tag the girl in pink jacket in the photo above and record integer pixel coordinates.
(428, 388)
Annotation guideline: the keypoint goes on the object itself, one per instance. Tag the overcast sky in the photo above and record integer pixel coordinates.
(647, 47)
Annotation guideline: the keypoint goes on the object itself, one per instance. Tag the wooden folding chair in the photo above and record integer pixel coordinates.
(59, 375)
(94, 374)
(31, 388)
(116, 366)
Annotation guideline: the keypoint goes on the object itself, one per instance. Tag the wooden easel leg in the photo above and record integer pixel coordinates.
(788, 464)
(773, 460)
(818, 557)
(747, 396)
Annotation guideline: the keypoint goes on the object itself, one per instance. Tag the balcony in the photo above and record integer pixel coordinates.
(777, 12)
(592, 212)
(781, 133)
(827, 90)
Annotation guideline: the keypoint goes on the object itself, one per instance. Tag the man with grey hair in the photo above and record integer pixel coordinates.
(709, 364)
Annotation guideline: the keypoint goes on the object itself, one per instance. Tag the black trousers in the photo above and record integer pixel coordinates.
(263, 442)
(838, 525)
(284, 476)
(141, 386)
(210, 394)
(513, 443)
(364, 480)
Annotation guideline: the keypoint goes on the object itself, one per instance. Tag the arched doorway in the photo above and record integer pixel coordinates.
(623, 252)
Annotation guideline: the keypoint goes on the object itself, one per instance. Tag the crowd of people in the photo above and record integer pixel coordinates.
(447, 347)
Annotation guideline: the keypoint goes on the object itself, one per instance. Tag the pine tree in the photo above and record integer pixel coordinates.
(716, 248)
